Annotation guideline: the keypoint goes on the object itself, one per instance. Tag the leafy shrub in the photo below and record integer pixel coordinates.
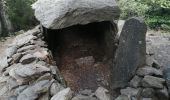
(155, 12)
(21, 13)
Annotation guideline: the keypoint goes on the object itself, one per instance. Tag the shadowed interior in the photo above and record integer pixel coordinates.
(84, 54)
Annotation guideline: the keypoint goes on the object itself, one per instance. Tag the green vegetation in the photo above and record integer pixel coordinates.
(155, 12)
(21, 14)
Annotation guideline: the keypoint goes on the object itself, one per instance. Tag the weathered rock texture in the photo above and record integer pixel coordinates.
(130, 53)
(57, 14)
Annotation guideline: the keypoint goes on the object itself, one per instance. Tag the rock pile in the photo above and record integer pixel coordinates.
(147, 84)
(28, 73)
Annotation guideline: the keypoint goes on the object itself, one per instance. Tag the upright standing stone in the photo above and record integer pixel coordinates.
(130, 53)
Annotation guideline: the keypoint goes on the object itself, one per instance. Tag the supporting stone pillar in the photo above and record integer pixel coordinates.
(130, 53)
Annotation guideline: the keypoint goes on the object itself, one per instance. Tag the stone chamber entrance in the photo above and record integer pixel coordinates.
(84, 54)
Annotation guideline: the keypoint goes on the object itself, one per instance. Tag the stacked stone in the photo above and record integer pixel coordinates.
(147, 84)
(27, 72)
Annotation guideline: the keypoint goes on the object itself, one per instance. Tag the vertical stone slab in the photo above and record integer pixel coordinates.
(130, 53)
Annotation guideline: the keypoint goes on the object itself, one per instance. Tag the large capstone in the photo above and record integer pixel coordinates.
(130, 53)
(57, 14)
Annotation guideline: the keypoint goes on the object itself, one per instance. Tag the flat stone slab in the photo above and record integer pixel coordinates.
(131, 52)
(57, 14)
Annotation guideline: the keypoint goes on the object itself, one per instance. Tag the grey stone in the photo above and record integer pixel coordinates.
(65, 94)
(86, 92)
(46, 96)
(11, 50)
(20, 89)
(153, 82)
(23, 39)
(32, 92)
(59, 14)
(149, 71)
(129, 91)
(86, 61)
(3, 91)
(3, 63)
(122, 97)
(12, 83)
(26, 59)
(10, 60)
(156, 64)
(130, 53)
(149, 60)
(41, 54)
(46, 76)
(136, 82)
(55, 88)
(102, 94)
(147, 99)
(162, 94)
(25, 73)
(166, 73)
(148, 92)
(16, 57)
(25, 48)
(82, 97)
(6, 72)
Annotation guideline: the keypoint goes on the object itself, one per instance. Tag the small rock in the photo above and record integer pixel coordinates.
(27, 59)
(148, 93)
(102, 94)
(149, 60)
(162, 94)
(3, 63)
(86, 92)
(41, 54)
(86, 61)
(129, 91)
(149, 71)
(25, 48)
(12, 83)
(152, 82)
(122, 97)
(46, 96)
(166, 73)
(32, 92)
(6, 72)
(3, 90)
(17, 57)
(65, 94)
(147, 99)
(55, 88)
(23, 39)
(82, 97)
(156, 64)
(11, 50)
(24, 73)
(46, 76)
(20, 89)
(135, 82)
(9, 60)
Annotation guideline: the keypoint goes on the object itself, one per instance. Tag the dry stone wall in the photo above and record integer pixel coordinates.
(29, 73)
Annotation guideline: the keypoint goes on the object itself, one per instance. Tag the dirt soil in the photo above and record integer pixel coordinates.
(82, 61)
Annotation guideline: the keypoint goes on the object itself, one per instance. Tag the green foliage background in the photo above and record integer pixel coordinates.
(21, 13)
(155, 12)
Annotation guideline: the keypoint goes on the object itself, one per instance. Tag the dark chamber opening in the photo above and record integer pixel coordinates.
(84, 54)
